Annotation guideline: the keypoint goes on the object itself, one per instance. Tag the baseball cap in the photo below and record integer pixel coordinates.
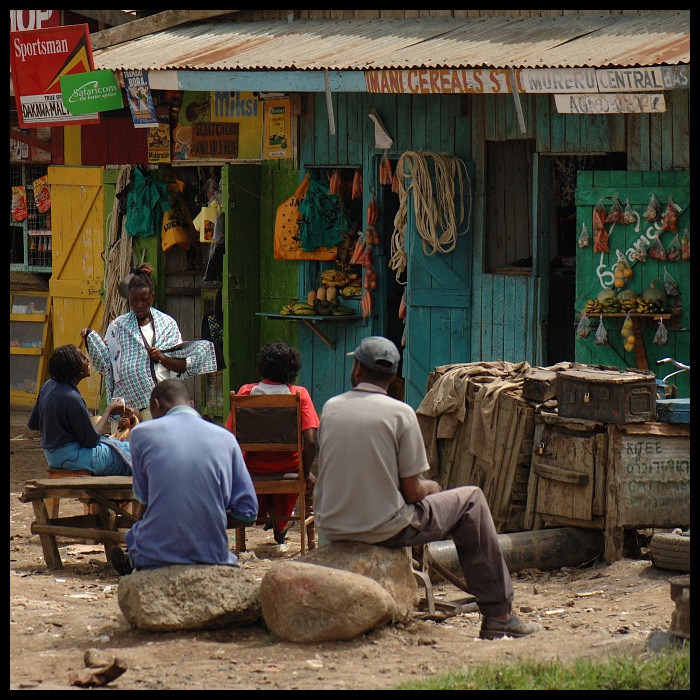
(377, 353)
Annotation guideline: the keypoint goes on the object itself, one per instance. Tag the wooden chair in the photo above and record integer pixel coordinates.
(272, 422)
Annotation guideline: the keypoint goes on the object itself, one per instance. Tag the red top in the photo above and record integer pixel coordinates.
(260, 462)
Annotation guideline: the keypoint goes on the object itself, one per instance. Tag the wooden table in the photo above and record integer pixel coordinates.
(110, 494)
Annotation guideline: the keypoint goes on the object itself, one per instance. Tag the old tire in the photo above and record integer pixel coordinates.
(671, 550)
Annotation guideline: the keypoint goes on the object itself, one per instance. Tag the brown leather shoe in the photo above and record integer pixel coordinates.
(512, 626)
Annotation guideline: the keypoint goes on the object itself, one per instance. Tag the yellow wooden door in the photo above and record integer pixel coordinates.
(77, 220)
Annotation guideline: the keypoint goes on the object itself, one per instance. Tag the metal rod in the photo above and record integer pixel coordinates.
(329, 103)
(516, 99)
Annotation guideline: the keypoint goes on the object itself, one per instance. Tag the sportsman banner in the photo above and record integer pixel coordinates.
(39, 58)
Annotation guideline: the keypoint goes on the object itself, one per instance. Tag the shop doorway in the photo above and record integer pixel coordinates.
(562, 315)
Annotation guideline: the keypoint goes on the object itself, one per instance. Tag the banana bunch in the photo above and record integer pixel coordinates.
(341, 310)
(338, 278)
(353, 289)
(644, 306)
(297, 308)
(611, 305)
(334, 278)
(629, 304)
(593, 306)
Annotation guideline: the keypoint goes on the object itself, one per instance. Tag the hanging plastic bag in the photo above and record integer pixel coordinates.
(616, 215)
(685, 244)
(583, 330)
(670, 284)
(629, 215)
(583, 239)
(661, 336)
(670, 218)
(653, 211)
(601, 335)
(18, 206)
(640, 252)
(657, 250)
(42, 194)
(673, 249)
(627, 333)
(600, 235)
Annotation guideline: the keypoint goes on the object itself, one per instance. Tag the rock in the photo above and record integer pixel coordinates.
(390, 567)
(189, 597)
(304, 602)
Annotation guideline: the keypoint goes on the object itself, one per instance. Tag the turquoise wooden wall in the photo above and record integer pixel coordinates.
(507, 311)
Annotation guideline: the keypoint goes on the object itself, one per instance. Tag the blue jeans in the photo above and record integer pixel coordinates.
(108, 458)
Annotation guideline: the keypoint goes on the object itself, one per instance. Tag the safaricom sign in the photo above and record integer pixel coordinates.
(91, 92)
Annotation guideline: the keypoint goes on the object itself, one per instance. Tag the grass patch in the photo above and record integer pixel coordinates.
(665, 670)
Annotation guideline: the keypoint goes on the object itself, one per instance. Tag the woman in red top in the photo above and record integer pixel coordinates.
(278, 366)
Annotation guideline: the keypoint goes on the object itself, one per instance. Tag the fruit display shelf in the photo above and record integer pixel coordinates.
(311, 322)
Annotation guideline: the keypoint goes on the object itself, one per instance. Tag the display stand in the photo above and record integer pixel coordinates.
(30, 326)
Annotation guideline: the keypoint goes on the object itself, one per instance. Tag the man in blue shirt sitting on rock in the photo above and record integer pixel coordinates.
(190, 479)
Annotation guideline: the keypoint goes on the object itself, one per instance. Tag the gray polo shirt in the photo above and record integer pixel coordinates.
(367, 442)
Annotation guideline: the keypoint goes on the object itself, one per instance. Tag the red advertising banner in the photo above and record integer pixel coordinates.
(21, 20)
(38, 60)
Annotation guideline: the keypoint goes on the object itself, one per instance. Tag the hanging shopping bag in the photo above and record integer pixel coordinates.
(287, 243)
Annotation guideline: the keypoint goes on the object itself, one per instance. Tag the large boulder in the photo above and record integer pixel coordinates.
(390, 567)
(308, 603)
(190, 597)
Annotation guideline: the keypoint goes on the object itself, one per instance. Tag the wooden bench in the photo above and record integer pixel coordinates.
(106, 525)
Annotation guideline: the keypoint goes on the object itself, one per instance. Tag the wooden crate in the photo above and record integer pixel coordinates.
(608, 476)
(648, 481)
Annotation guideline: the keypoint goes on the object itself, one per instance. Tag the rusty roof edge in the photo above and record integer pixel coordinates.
(578, 41)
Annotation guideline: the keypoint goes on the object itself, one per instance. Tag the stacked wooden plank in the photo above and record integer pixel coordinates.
(500, 465)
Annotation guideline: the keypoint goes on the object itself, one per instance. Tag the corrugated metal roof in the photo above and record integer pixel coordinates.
(569, 41)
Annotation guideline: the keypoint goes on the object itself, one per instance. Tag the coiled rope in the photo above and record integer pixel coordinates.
(437, 222)
(119, 260)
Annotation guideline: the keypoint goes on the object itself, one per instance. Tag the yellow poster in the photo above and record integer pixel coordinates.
(277, 129)
(218, 126)
(158, 139)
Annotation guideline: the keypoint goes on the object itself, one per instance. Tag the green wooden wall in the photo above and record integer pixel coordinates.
(594, 271)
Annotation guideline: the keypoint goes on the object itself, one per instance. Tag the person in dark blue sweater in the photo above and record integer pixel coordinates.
(68, 437)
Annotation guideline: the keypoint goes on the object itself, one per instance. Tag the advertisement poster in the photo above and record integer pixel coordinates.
(38, 60)
(96, 91)
(277, 129)
(140, 99)
(158, 140)
(218, 126)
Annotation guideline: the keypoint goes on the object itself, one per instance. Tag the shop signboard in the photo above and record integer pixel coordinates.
(96, 91)
(38, 60)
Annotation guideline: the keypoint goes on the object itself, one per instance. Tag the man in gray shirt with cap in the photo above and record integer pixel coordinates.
(369, 488)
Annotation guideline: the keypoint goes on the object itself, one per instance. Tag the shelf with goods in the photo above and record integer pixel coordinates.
(30, 237)
(30, 328)
(670, 317)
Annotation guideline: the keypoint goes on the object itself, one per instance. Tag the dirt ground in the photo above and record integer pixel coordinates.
(57, 616)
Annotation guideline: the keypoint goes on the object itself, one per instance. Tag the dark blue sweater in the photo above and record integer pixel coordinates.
(62, 416)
